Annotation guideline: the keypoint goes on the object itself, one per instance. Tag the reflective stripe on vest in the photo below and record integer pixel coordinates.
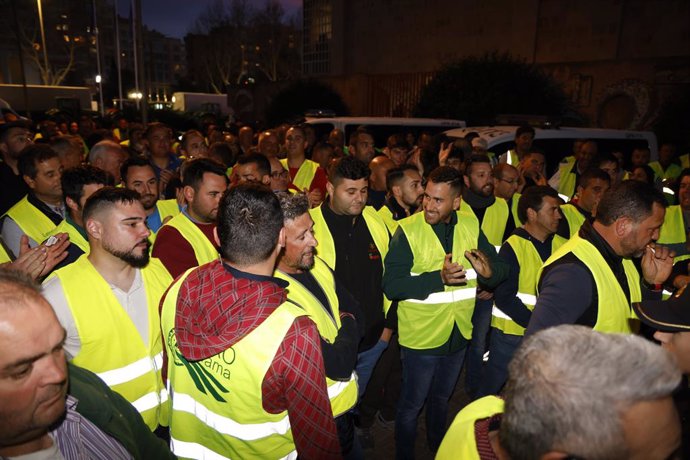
(419, 326)
(31, 220)
(343, 394)
(204, 251)
(567, 179)
(528, 263)
(111, 346)
(494, 222)
(197, 451)
(614, 312)
(460, 441)
(305, 173)
(217, 404)
(326, 247)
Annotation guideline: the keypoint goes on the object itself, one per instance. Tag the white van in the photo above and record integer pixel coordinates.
(382, 127)
(558, 142)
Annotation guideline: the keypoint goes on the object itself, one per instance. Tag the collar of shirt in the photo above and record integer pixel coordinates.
(254, 277)
(78, 228)
(397, 210)
(338, 219)
(588, 233)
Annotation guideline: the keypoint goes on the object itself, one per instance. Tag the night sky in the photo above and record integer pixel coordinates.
(174, 17)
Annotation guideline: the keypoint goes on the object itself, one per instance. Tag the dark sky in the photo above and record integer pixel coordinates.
(174, 17)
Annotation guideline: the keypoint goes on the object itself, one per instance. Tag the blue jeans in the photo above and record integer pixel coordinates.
(366, 361)
(481, 323)
(425, 378)
(501, 350)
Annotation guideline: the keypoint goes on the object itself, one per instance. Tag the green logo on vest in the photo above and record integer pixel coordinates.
(201, 372)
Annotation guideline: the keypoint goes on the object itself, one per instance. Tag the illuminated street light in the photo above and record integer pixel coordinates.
(43, 36)
(98, 78)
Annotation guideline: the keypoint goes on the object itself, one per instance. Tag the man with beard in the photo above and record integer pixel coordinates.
(592, 280)
(15, 134)
(314, 287)
(497, 223)
(405, 193)
(524, 251)
(138, 175)
(187, 240)
(107, 301)
(675, 230)
(78, 184)
(52, 409)
(435, 261)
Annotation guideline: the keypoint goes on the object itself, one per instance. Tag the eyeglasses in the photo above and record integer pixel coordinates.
(279, 174)
(511, 182)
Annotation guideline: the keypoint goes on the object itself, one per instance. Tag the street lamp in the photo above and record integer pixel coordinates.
(43, 38)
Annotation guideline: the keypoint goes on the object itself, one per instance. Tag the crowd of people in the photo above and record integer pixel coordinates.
(274, 295)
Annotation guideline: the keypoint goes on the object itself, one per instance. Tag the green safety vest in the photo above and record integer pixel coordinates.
(672, 231)
(574, 217)
(343, 394)
(387, 217)
(75, 237)
(204, 251)
(512, 158)
(427, 323)
(529, 262)
(514, 209)
(459, 443)
(31, 220)
(614, 313)
(672, 172)
(568, 179)
(326, 246)
(305, 173)
(4, 256)
(111, 346)
(167, 208)
(217, 410)
(495, 220)
(684, 161)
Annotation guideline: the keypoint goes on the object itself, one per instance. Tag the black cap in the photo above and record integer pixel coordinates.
(671, 315)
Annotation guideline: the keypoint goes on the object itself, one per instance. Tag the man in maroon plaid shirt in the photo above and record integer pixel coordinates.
(245, 367)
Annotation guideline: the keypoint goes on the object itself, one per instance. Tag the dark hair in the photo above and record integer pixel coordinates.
(683, 173)
(397, 141)
(187, 134)
(630, 198)
(31, 155)
(323, 146)
(447, 175)
(74, 179)
(533, 198)
(249, 222)
(592, 174)
(62, 144)
(524, 129)
(347, 167)
(476, 158)
(293, 204)
(131, 162)
(106, 198)
(151, 127)
(605, 157)
(194, 172)
(302, 128)
(363, 129)
(225, 151)
(263, 166)
(650, 173)
(395, 175)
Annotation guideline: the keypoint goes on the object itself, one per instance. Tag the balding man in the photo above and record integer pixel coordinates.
(379, 166)
(108, 156)
(269, 144)
(49, 409)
